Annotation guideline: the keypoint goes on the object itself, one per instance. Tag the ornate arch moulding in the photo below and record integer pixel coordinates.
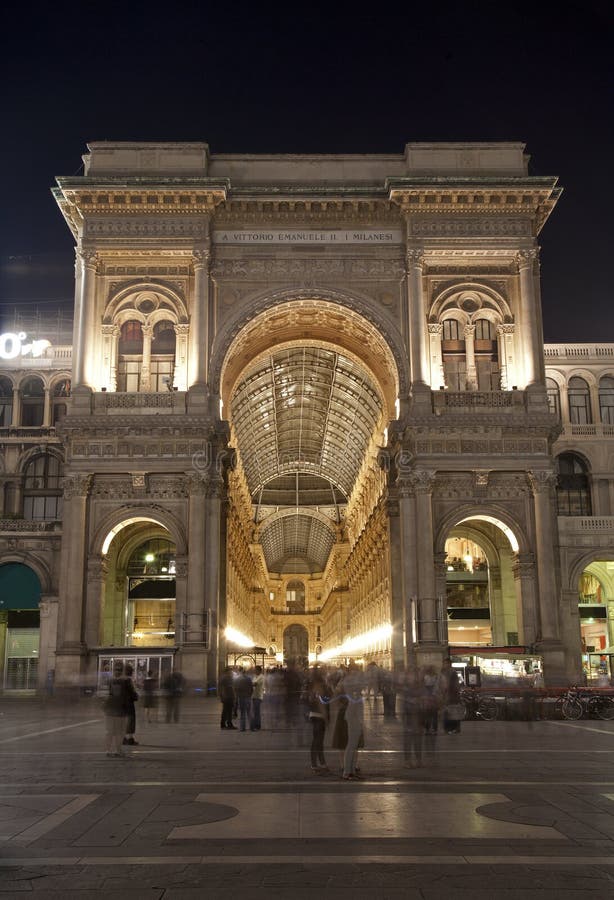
(136, 288)
(389, 365)
(491, 513)
(475, 290)
(129, 514)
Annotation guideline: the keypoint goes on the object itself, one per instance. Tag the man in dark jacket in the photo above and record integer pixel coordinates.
(244, 689)
(226, 693)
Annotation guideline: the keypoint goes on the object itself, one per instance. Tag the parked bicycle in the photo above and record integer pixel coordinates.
(478, 706)
(574, 704)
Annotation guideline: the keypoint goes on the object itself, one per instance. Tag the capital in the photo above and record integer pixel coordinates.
(415, 258)
(200, 258)
(525, 259)
(422, 480)
(542, 480)
(88, 257)
(435, 328)
(76, 486)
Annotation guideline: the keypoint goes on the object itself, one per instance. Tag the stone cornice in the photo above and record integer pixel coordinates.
(534, 197)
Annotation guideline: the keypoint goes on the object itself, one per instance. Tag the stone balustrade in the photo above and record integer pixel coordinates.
(33, 526)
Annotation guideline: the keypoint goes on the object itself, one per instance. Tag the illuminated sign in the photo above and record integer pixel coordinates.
(13, 344)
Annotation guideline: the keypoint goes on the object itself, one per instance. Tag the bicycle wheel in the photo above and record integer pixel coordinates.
(601, 707)
(571, 709)
(487, 708)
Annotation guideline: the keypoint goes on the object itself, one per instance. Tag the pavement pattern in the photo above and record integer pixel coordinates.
(503, 810)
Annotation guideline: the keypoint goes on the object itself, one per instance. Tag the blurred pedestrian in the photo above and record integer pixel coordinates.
(412, 698)
(131, 698)
(116, 711)
(353, 685)
(226, 693)
(318, 701)
(173, 687)
(255, 723)
(150, 684)
(243, 690)
(452, 706)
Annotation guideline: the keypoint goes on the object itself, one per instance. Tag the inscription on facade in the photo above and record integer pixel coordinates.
(309, 236)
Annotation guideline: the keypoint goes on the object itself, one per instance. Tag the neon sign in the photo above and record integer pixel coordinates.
(13, 344)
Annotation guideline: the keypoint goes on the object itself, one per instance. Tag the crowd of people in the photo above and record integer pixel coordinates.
(332, 701)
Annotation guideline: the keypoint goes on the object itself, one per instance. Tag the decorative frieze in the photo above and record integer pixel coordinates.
(76, 486)
(470, 227)
(265, 268)
(192, 227)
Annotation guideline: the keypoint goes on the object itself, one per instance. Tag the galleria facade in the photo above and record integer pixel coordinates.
(307, 413)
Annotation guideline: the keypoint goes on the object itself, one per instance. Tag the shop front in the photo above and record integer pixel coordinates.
(20, 593)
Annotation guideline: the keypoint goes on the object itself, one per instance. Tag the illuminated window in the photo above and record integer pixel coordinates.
(295, 596)
(453, 353)
(60, 392)
(487, 356)
(162, 356)
(130, 350)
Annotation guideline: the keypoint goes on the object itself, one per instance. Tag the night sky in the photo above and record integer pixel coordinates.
(311, 80)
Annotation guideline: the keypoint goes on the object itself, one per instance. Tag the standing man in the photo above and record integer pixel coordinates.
(257, 695)
(244, 689)
(226, 693)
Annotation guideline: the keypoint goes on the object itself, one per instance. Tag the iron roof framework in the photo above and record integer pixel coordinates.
(303, 418)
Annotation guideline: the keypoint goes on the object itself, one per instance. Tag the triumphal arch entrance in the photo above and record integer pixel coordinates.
(309, 416)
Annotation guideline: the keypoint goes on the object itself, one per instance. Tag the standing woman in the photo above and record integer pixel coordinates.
(115, 710)
(353, 685)
(318, 703)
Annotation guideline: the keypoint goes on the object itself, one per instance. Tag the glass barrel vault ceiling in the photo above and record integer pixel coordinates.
(303, 418)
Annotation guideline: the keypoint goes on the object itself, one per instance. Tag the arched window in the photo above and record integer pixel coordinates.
(42, 490)
(130, 350)
(151, 593)
(6, 402)
(579, 401)
(606, 400)
(162, 356)
(453, 353)
(32, 402)
(573, 493)
(61, 391)
(487, 356)
(554, 397)
(295, 596)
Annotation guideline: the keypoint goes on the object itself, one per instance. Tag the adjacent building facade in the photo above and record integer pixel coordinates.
(306, 413)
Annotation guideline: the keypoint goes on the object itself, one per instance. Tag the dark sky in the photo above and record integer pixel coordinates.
(311, 80)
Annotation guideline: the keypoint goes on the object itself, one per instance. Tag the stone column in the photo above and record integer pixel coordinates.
(409, 570)
(197, 554)
(97, 571)
(472, 375)
(439, 561)
(417, 317)
(532, 343)
(396, 581)
(72, 579)
(527, 611)
(505, 337)
(85, 363)
(438, 375)
(47, 408)
(181, 594)
(543, 483)
(145, 379)
(213, 562)
(422, 480)
(16, 412)
(571, 634)
(199, 325)
(180, 380)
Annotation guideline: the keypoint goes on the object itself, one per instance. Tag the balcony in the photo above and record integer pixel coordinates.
(303, 612)
(593, 430)
(574, 352)
(586, 525)
(19, 432)
(29, 526)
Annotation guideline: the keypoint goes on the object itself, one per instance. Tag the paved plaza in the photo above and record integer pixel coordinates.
(505, 809)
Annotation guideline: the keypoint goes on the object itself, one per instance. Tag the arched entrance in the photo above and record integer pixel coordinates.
(296, 645)
(309, 389)
(20, 594)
